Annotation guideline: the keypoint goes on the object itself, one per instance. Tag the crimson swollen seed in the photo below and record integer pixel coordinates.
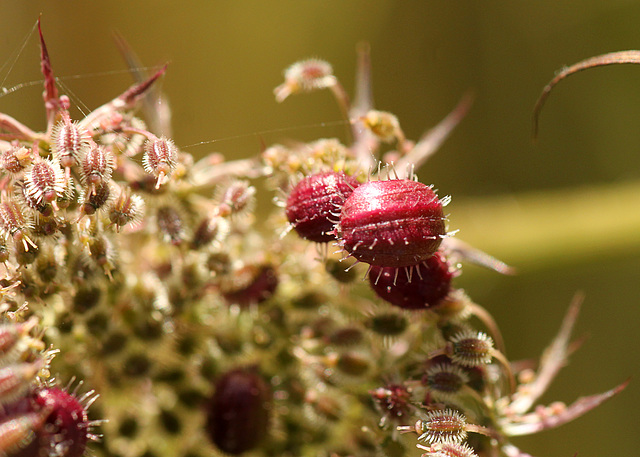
(314, 204)
(392, 223)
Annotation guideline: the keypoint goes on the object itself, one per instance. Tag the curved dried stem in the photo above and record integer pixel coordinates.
(612, 58)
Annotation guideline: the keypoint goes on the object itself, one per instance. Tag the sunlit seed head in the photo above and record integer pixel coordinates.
(471, 348)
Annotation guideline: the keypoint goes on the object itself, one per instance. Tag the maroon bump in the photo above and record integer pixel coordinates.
(238, 413)
(394, 223)
(314, 204)
(428, 283)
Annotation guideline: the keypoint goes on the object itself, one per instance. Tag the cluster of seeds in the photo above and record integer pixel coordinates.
(205, 327)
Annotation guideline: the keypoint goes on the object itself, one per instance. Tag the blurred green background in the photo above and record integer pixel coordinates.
(564, 211)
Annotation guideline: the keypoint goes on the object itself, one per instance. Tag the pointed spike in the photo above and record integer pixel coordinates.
(132, 94)
(50, 94)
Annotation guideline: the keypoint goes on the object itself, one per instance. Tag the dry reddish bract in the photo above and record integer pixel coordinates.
(394, 223)
(313, 206)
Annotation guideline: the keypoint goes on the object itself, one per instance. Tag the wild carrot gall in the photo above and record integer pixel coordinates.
(393, 223)
(421, 287)
(66, 430)
(238, 414)
(314, 204)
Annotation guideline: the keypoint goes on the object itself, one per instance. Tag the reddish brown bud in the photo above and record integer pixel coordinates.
(314, 204)
(394, 223)
(238, 414)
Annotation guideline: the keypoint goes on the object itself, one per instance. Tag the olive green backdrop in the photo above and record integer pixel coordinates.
(564, 211)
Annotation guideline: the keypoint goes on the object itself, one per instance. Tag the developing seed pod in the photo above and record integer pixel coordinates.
(238, 413)
(445, 380)
(171, 224)
(44, 181)
(448, 448)
(442, 425)
(96, 199)
(393, 223)
(252, 284)
(352, 364)
(392, 401)
(210, 230)
(16, 159)
(314, 204)
(423, 287)
(127, 209)
(305, 76)
(471, 348)
(237, 198)
(97, 166)
(13, 223)
(69, 143)
(160, 158)
(388, 324)
(30, 203)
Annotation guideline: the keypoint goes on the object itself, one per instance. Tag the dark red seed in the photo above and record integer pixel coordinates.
(238, 413)
(430, 283)
(65, 430)
(249, 285)
(314, 204)
(394, 223)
